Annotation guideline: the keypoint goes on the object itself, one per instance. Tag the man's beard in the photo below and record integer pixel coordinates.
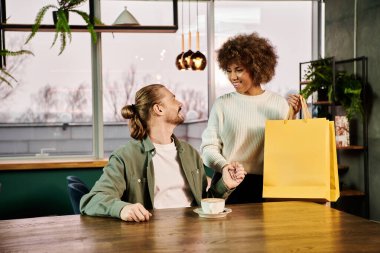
(175, 120)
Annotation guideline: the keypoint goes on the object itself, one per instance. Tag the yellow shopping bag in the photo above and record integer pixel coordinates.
(300, 159)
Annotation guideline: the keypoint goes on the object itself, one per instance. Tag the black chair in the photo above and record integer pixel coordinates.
(74, 179)
(76, 191)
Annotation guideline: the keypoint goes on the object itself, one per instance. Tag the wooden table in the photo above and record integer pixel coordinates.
(268, 227)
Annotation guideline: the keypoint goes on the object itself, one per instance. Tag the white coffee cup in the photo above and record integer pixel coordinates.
(212, 205)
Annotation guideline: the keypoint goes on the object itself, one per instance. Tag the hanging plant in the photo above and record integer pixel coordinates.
(61, 21)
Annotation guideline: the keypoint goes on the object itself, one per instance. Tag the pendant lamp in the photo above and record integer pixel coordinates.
(179, 62)
(198, 60)
(126, 18)
(189, 53)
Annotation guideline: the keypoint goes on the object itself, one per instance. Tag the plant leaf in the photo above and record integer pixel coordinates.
(55, 39)
(6, 73)
(5, 80)
(319, 75)
(74, 3)
(90, 26)
(6, 52)
(40, 15)
(63, 42)
(348, 94)
(62, 30)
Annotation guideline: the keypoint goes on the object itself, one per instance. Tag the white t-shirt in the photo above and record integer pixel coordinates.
(171, 189)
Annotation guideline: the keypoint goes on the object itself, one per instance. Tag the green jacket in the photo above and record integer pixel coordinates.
(128, 178)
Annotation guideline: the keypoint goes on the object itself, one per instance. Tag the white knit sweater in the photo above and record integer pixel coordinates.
(235, 130)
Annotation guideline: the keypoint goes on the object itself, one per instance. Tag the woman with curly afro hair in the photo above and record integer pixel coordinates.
(235, 132)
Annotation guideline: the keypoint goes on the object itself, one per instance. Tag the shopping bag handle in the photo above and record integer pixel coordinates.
(305, 112)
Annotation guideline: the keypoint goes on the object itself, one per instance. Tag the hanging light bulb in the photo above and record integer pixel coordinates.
(179, 62)
(189, 53)
(198, 60)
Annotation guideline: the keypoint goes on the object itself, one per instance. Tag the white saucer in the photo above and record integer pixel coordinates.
(200, 212)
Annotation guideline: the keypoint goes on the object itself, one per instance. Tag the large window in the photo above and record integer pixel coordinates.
(51, 108)
(287, 24)
(48, 109)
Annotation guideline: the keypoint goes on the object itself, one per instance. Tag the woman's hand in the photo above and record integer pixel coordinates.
(294, 100)
(233, 174)
(134, 212)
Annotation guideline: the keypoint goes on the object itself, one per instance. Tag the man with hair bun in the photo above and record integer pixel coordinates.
(235, 130)
(155, 169)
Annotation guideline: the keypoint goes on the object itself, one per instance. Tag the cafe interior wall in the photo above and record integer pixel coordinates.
(352, 31)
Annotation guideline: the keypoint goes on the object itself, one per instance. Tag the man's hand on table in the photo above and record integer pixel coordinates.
(134, 212)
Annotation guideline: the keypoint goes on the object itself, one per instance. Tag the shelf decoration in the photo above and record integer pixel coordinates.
(342, 131)
(126, 18)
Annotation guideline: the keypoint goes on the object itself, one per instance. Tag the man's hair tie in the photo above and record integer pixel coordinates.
(133, 108)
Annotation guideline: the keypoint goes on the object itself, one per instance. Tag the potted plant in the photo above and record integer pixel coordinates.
(319, 78)
(61, 21)
(348, 89)
(4, 74)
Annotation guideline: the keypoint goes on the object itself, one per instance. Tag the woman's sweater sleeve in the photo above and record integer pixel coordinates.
(212, 144)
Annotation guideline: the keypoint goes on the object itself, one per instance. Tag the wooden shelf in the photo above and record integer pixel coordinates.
(323, 103)
(304, 82)
(353, 147)
(98, 28)
(351, 193)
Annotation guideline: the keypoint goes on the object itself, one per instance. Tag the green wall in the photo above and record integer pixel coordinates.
(339, 42)
(33, 193)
